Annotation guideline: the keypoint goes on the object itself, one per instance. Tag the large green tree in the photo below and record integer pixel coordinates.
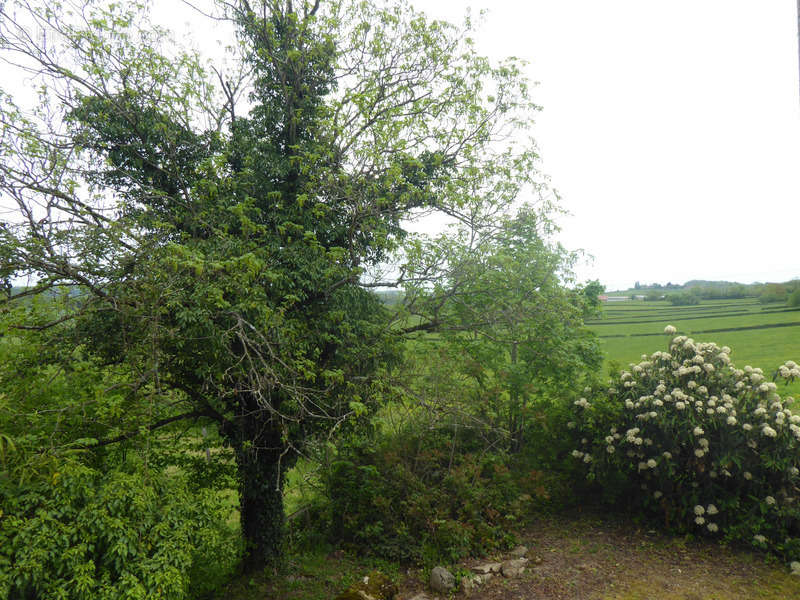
(216, 232)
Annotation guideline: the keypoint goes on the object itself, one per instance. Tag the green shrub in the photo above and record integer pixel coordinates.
(794, 299)
(412, 498)
(684, 299)
(115, 535)
(772, 293)
(708, 448)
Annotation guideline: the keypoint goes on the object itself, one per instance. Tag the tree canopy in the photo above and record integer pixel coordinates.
(218, 231)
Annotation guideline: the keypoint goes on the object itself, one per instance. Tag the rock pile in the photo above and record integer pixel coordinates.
(443, 582)
(377, 586)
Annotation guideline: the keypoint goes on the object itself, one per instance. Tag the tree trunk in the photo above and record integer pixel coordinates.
(515, 411)
(261, 507)
(261, 461)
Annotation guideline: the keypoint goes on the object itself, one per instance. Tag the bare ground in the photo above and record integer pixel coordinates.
(572, 557)
(600, 558)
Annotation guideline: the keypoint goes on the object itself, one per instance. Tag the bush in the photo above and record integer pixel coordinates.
(794, 299)
(686, 437)
(685, 299)
(412, 498)
(114, 535)
(773, 293)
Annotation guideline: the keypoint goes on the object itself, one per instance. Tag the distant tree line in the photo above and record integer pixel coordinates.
(693, 291)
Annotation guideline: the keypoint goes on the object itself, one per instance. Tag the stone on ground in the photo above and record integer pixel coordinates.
(514, 568)
(487, 568)
(442, 580)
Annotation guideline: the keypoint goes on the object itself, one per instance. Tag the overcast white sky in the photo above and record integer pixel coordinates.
(671, 129)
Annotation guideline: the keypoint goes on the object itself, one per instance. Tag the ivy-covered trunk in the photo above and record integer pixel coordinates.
(261, 506)
(261, 461)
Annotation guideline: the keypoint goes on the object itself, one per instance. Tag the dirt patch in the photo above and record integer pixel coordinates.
(586, 557)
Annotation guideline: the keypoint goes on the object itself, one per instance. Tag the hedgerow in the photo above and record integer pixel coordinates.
(687, 437)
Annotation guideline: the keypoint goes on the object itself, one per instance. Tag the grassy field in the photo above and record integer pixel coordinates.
(760, 335)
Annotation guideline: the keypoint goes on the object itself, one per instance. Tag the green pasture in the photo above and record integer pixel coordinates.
(760, 335)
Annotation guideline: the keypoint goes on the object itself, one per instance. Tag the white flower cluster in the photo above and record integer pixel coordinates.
(702, 512)
(789, 370)
(691, 421)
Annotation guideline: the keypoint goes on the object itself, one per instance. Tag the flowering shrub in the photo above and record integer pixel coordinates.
(687, 436)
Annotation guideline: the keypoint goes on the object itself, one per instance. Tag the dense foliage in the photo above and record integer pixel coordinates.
(684, 299)
(84, 534)
(710, 449)
(510, 334)
(78, 520)
(794, 299)
(200, 251)
(416, 497)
